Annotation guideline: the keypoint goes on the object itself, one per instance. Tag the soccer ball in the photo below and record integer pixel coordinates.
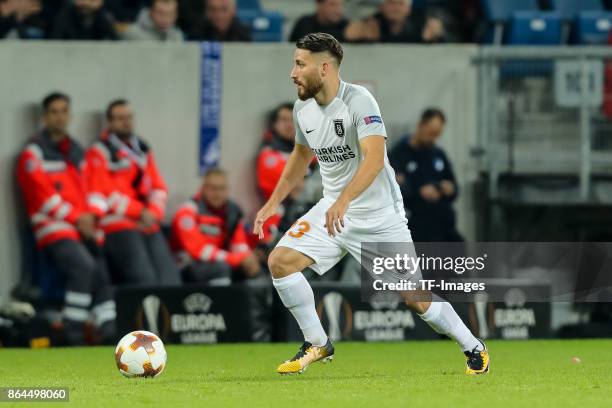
(140, 354)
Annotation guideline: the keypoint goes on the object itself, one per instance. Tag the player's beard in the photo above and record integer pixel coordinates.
(310, 88)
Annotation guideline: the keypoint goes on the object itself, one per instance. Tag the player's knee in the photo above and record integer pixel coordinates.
(280, 264)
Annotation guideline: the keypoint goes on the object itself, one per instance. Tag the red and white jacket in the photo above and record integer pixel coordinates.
(201, 234)
(122, 180)
(271, 160)
(49, 175)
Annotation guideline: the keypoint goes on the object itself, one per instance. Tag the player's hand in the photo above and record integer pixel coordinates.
(447, 187)
(429, 192)
(86, 225)
(266, 212)
(334, 217)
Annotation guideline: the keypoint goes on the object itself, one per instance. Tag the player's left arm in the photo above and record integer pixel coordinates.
(373, 150)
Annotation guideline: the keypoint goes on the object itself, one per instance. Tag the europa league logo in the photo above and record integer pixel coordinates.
(338, 313)
(153, 316)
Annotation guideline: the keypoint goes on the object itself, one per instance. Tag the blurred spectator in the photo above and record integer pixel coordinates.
(328, 18)
(125, 11)
(156, 24)
(277, 145)
(189, 13)
(84, 20)
(395, 23)
(279, 139)
(275, 149)
(462, 19)
(220, 23)
(22, 19)
(129, 195)
(49, 174)
(209, 237)
(427, 181)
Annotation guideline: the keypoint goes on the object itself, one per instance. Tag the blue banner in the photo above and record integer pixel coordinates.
(210, 104)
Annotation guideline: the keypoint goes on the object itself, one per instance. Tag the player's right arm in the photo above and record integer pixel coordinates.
(294, 171)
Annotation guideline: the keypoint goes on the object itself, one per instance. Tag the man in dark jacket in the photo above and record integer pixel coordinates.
(395, 22)
(220, 23)
(328, 18)
(84, 20)
(22, 19)
(427, 181)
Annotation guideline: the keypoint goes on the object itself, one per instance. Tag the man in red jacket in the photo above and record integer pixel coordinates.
(209, 238)
(275, 149)
(271, 159)
(129, 196)
(49, 174)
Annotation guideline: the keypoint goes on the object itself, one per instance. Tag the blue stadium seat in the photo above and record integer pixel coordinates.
(531, 28)
(499, 12)
(593, 27)
(502, 10)
(266, 26)
(534, 28)
(585, 20)
(248, 5)
(569, 9)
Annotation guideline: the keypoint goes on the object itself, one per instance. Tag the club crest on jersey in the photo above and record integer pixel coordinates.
(339, 127)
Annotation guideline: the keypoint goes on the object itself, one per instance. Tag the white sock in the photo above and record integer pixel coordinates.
(297, 296)
(443, 319)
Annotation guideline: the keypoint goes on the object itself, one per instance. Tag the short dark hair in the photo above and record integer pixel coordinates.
(52, 97)
(273, 115)
(113, 105)
(321, 42)
(215, 171)
(432, 113)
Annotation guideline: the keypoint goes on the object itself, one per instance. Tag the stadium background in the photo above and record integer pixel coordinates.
(164, 84)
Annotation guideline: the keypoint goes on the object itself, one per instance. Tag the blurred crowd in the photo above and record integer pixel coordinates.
(394, 21)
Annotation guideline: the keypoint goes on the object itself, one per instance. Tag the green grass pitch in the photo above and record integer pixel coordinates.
(409, 374)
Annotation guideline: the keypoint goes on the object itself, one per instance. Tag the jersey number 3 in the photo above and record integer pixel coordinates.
(303, 227)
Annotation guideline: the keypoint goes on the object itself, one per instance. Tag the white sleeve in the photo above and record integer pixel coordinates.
(299, 135)
(366, 116)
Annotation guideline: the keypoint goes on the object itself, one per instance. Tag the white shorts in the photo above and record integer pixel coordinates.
(309, 236)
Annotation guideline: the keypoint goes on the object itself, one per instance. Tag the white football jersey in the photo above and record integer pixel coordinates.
(333, 133)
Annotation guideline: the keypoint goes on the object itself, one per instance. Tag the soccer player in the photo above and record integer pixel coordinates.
(341, 123)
